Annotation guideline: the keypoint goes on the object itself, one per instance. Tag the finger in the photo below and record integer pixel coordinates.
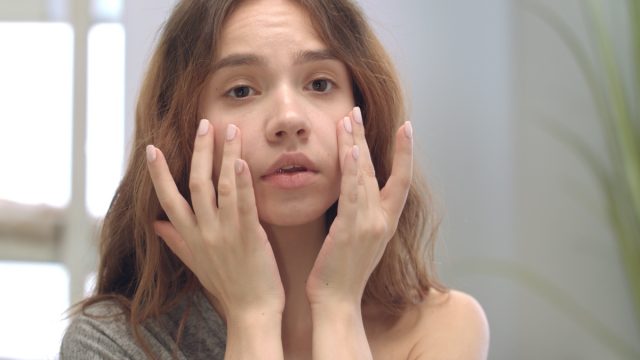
(349, 193)
(247, 210)
(227, 181)
(366, 170)
(174, 241)
(200, 183)
(394, 194)
(345, 138)
(172, 202)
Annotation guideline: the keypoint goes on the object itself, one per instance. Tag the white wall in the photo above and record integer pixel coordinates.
(456, 59)
(142, 20)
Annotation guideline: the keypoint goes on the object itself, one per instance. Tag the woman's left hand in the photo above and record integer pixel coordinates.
(367, 216)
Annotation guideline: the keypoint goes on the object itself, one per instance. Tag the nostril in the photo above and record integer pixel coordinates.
(280, 133)
(301, 132)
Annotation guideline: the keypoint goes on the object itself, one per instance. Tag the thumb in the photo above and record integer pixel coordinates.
(174, 241)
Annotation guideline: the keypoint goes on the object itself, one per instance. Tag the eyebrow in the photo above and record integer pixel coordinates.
(249, 59)
(313, 55)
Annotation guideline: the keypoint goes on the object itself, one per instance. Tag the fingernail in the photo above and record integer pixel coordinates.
(408, 129)
(203, 128)
(355, 152)
(151, 153)
(231, 132)
(347, 124)
(239, 165)
(357, 115)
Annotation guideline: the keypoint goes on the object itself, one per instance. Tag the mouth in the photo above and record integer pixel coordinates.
(291, 163)
(291, 170)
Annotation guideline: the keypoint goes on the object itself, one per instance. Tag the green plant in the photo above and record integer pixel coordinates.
(618, 106)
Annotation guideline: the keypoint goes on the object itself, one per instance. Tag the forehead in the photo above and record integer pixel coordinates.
(275, 25)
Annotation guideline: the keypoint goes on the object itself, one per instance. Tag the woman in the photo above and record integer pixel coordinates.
(282, 230)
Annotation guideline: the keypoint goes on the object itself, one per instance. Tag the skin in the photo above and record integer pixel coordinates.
(299, 289)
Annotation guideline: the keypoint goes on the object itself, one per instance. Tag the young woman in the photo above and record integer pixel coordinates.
(270, 208)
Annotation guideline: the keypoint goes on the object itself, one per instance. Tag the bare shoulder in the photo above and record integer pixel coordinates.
(445, 326)
(453, 326)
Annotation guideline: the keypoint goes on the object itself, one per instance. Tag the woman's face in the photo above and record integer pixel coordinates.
(279, 83)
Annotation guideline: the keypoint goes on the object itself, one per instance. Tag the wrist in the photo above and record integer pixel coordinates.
(254, 334)
(338, 331)
(251, 319)
(336, 311)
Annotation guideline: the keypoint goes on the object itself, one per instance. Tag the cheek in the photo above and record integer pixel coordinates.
(331, 139)
(218, 148)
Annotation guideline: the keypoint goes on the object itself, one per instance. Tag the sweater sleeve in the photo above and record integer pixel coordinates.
(102, 332)
(87, 338)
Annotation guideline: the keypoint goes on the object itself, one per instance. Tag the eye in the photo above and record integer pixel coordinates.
(240, 92)
(321, 85)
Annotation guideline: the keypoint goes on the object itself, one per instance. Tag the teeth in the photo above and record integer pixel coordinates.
(291, 168)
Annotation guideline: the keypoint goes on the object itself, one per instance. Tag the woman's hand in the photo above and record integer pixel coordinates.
(366, 221)
(367, 217)
(225, 246)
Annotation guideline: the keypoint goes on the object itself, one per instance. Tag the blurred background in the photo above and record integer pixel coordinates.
(526, 120)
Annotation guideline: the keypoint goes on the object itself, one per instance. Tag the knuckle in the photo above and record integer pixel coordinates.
(351, 196)
(197, 185)
(244, 208)
(224, 188)
(206, 236)
(169, 206)
(369, 170)
(377, 229)
(404, 181)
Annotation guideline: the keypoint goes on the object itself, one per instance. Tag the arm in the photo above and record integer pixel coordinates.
(367, 219)
(338, 333)
(254, 336)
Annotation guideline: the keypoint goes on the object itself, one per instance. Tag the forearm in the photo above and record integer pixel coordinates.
(338, 333)
(256, 336)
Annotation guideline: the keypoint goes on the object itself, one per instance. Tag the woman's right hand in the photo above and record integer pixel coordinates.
(224, 246)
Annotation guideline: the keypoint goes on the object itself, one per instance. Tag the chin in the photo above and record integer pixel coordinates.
(292, 214)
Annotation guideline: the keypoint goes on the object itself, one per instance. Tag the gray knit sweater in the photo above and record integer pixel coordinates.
(104, 333)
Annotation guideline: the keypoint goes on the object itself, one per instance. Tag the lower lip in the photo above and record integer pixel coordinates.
(290, 180)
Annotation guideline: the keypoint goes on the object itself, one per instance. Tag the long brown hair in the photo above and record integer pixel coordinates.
(139, 271)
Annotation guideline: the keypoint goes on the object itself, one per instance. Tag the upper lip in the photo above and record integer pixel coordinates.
(291, 159)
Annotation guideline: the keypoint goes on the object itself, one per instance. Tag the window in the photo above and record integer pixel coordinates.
(36, 141)
(36, 68)
(32, 324)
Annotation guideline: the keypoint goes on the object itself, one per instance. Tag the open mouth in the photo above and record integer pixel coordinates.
(291, 177)
(290, 169)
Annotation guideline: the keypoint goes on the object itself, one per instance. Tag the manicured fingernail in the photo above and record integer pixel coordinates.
(408, 129)
(203, 128)
(231, 132)
(357, 115)
(347, 124)
(355, 152)
(239, 165)
(151, 153)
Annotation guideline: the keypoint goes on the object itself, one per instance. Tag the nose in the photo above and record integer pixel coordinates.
(289, 120)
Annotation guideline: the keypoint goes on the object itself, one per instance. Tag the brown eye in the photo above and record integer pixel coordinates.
(240, 92)
(321, 85)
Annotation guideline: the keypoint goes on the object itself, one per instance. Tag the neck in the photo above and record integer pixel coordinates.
(295, 249)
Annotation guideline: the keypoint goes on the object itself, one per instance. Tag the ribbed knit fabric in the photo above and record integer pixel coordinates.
(104, 333)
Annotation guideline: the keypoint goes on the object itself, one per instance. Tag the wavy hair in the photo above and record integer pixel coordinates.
(140, 272)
